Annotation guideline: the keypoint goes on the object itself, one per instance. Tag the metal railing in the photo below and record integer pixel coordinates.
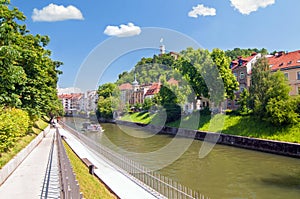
(69, 185)
(159, 185)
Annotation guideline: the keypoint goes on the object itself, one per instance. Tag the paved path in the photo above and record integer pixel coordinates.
(121, 185)
(34, 178)
(37, 176)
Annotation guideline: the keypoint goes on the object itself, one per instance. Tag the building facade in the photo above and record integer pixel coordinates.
(72, 103)
(287, 62)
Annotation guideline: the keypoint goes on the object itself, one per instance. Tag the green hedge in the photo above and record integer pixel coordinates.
(14, 123)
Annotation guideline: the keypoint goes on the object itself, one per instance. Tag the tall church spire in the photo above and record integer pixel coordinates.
(135, 84)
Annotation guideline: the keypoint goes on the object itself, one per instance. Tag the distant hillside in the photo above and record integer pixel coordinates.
(236, 52)
(149, 70)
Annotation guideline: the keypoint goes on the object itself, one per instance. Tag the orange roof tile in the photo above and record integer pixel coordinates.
(71, 96)
(154, 89)
(284, 60)
(235, 63)
(126, 86)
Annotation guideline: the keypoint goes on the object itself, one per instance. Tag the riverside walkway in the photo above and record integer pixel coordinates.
(120, 184)
(37, 176)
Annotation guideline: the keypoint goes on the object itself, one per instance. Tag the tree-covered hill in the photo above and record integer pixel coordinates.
(236, 52)
(149, 70)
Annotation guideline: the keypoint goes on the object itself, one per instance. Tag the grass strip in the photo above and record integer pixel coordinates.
(248, 126)
(90, 186)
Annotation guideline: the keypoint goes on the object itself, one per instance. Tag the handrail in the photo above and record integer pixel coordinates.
(69, 185)
(152, 181)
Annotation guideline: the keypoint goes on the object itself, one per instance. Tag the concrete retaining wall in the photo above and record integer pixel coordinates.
(270, 146)
(7, 170)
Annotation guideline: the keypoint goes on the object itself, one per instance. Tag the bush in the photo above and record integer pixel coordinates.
(173, 112)
(14, 123)
(205, 111)
(282, 111)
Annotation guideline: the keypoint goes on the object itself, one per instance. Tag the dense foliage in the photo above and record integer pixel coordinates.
(14, 123)
(108, 100)
(269, 95)
(237, 52)
(199, 72)
(149, 70)
(28, 77)
(208, 73)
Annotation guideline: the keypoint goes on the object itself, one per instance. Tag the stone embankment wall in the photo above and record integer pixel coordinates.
(270, 146)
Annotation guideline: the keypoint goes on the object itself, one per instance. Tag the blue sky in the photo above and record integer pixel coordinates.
(76, 28)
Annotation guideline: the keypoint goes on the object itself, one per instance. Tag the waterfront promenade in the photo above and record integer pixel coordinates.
(38, 175)
(34, 177)
(120, 184)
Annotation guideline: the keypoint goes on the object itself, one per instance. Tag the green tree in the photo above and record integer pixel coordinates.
(208, 73)
(269, 93)
(109, 100)
(223, 62)
(243, 101)
(29, 76)
(282, 112)
(108, 89)
(190, 65)
(149, 70)
(260, 83)
(280, 107)
(237, 52)
(148, 103)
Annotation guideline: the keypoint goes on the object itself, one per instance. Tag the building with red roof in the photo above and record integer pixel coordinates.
(72, 103)
(241, 68)
(154, 89)
(289, 64)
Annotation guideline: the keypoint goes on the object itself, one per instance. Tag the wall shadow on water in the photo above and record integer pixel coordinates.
(280, 180)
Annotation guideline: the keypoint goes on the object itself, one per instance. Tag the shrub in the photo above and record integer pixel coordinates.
(173, 112)
(282, 111)
(205, 111)
(14, 123)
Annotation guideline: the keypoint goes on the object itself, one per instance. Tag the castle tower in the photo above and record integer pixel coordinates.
(162, 47)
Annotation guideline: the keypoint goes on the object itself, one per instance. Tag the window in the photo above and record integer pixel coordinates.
(286, 75)
(236, 102)
(235, 75)
(298, 75)
(242, 87)
(242, 75)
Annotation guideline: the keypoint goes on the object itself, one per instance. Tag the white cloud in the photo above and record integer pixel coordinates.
(123, 30)
(54, 12)
(201, 10)
(247, 6)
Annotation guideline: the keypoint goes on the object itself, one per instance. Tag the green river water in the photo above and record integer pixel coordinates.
(226, 172)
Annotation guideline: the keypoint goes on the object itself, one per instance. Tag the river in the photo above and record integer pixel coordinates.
(226, 172)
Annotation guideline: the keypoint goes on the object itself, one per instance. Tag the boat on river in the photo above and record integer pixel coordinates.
(87, 126)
